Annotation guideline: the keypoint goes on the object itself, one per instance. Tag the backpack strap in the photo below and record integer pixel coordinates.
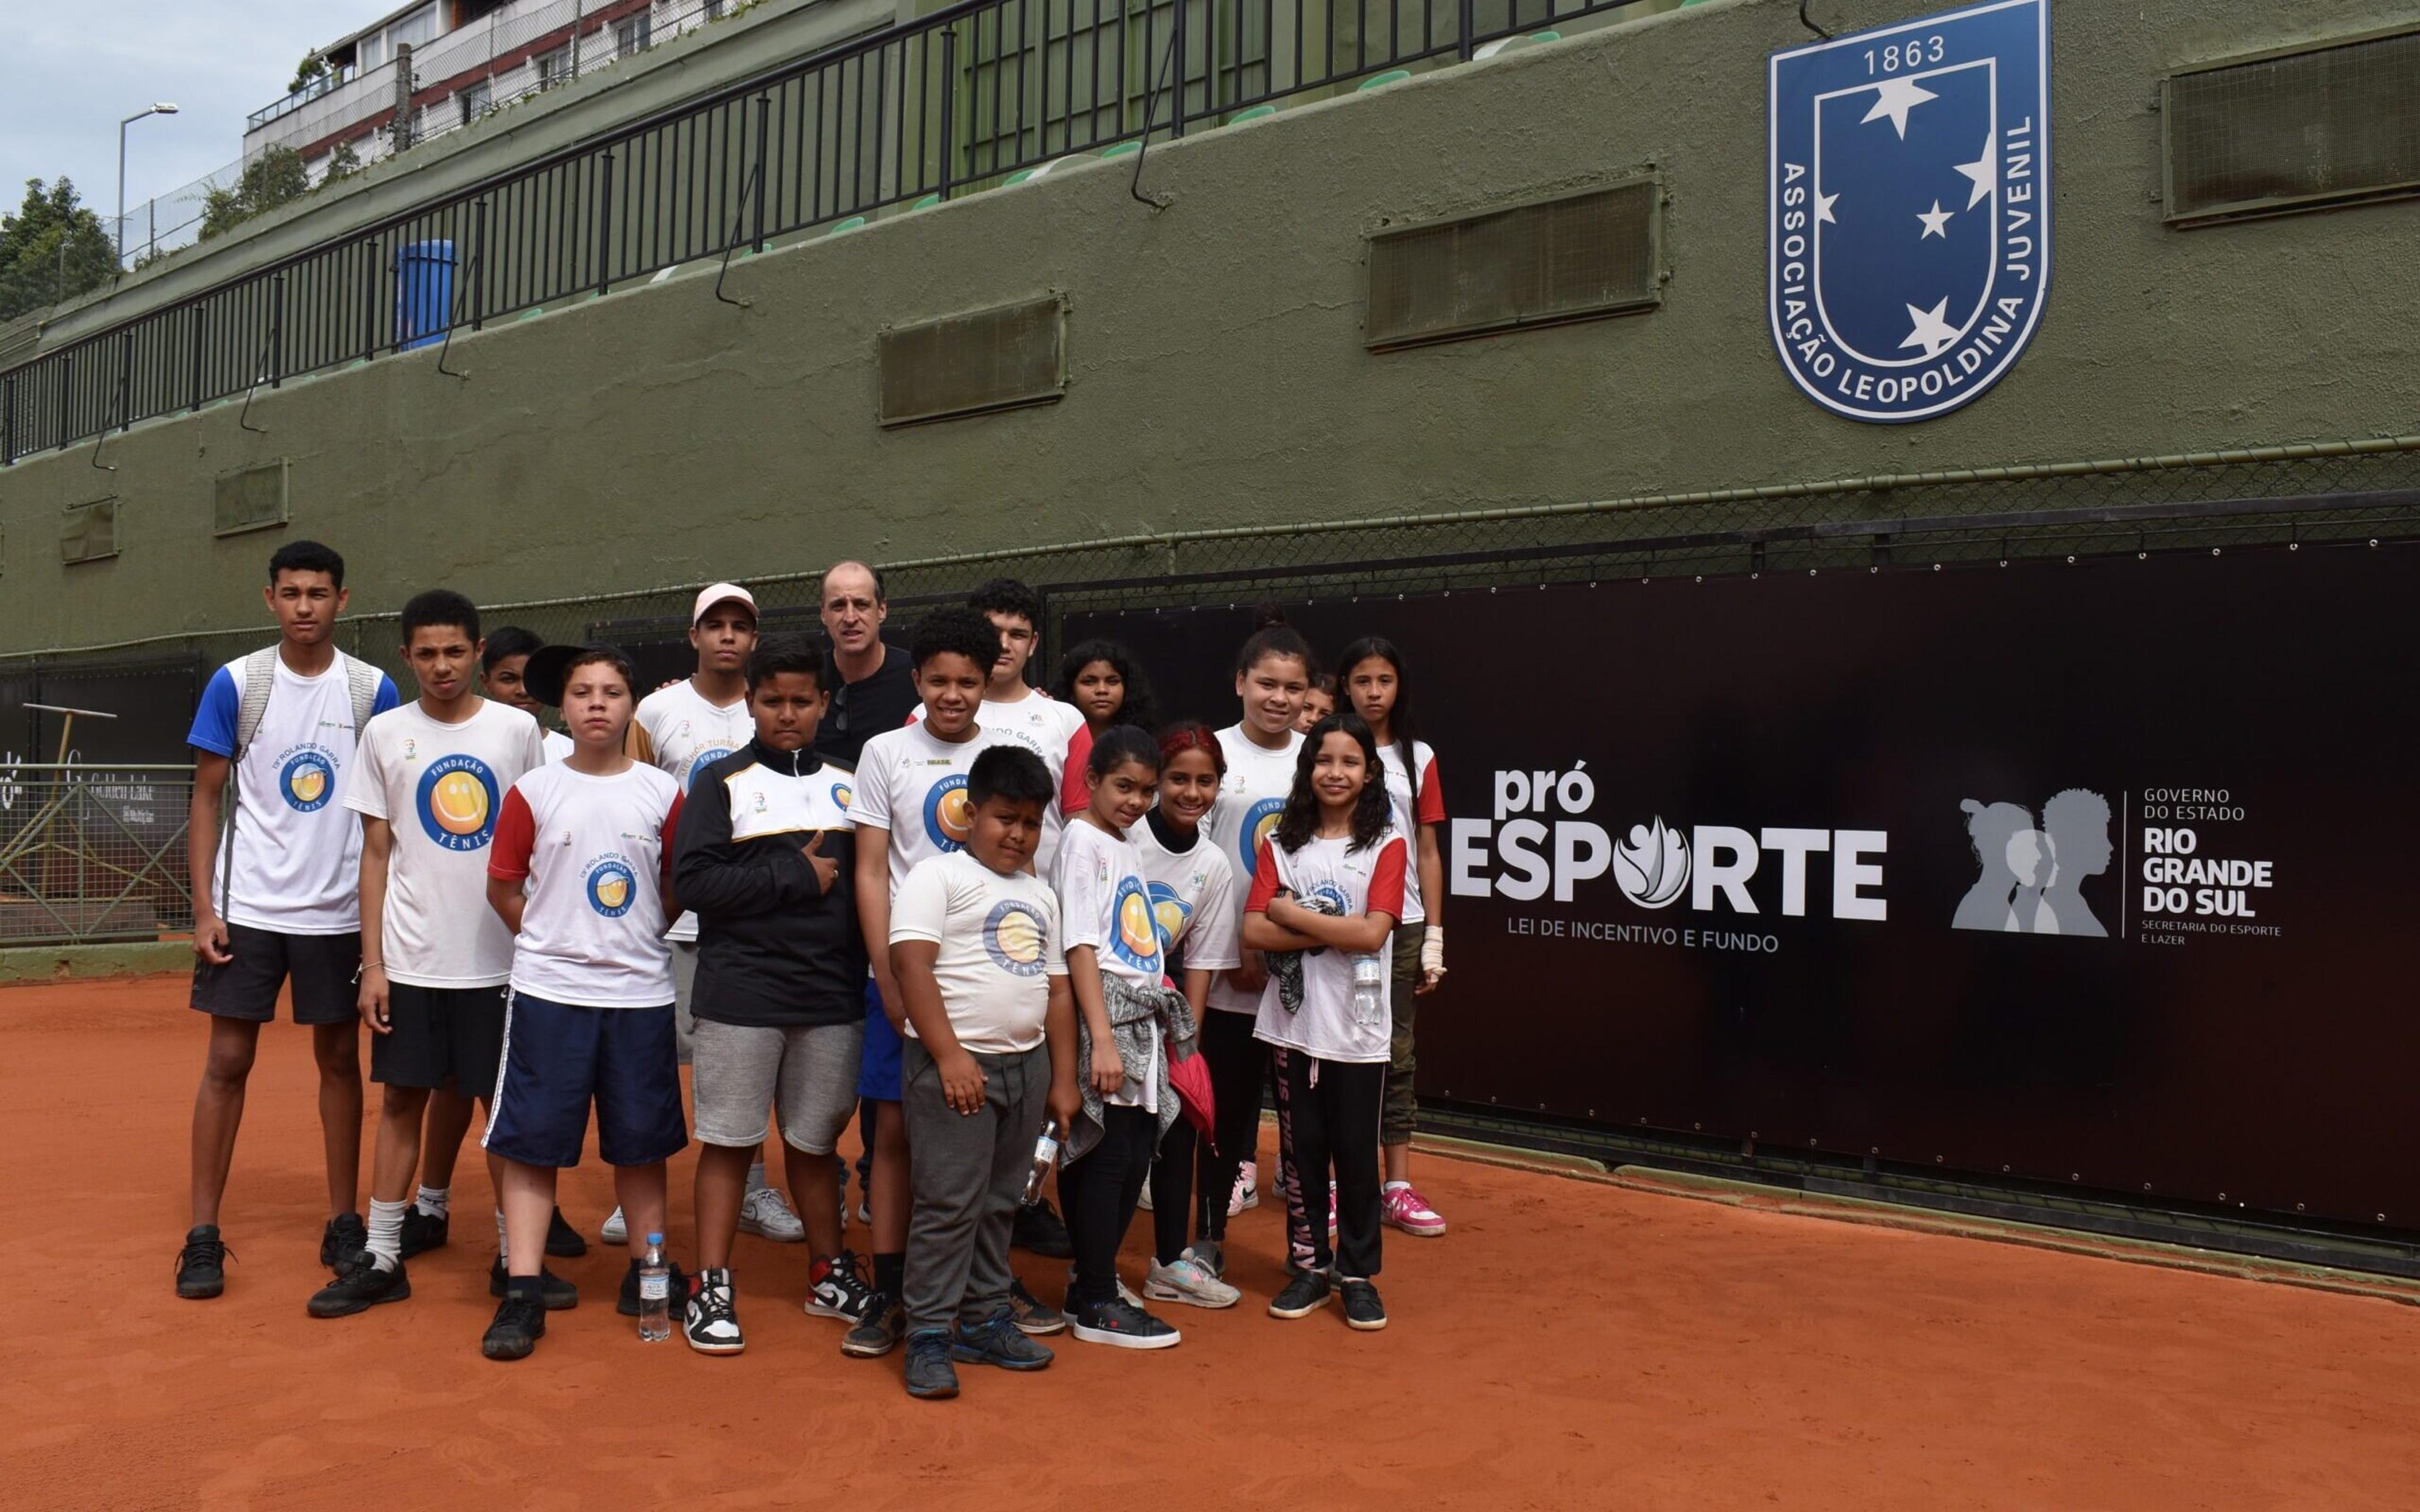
(260, 676)
(362, 684)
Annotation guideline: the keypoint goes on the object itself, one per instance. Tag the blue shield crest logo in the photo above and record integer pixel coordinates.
(1908, 223)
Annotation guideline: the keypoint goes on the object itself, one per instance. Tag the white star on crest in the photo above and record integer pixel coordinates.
(1985, 171)
(1895, 97)
(1932, 331)
(1823, 215)
(1936, 221)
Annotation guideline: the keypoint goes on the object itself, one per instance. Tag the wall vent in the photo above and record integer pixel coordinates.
(89, 533)
(970, 364)
(252, 499)
(1573, 257)
(2294, 130)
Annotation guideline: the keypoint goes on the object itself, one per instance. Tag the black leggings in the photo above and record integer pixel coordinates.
(1171, 1193)
(1238, 1063)
(1099, 1193)
(1327, 1115)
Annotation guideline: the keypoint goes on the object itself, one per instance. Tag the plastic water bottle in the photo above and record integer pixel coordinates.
(1046, 1154)
(1369, 989)
(654, 1293)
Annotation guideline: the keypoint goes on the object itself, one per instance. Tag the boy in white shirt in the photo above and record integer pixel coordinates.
(1012, 709)
(991, 1054)
(581, 872)
(274, 901)
(429, 782)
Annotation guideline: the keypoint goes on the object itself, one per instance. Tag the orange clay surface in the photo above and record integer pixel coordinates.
(1568, 1345)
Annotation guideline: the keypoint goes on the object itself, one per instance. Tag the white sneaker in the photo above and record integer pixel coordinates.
(614, 1230)
(766, 1214)
(1189, 1281)
(1247, 1189)
(1126, 1293)
(1144, 1202)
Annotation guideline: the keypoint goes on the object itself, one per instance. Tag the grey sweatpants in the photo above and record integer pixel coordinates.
(970, 1171)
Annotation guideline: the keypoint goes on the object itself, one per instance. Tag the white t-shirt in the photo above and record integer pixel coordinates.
(1367, 880)
(592, 849)
(441, 788)
(915, 786)
(1192, 899)
(1045, 726)
(688, 734)
(558, 745)
(1251, 796)
(297, 856)
(1104, 903)
(1000, 945)
(1431, 811)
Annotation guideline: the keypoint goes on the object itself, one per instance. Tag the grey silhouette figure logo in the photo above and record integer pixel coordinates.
(2029, 878)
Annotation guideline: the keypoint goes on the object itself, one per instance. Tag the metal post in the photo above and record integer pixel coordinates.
(1176, 123)
(949, 96)
(604, 221)
(478, 263)
(764, 141)
(125, 380)
(277, 331)
(195, 367)
(1468, 24)
(401, 129)
(8, 420)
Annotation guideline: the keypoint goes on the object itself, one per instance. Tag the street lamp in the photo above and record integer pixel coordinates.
(161, 109)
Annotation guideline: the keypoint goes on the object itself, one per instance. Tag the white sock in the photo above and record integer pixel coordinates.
(500, 1235)
(1396, 1186)
(432, 1200)
(756, 1177)
(386, 1233)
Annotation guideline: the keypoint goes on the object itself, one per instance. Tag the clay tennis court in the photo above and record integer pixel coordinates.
(1569, 1345)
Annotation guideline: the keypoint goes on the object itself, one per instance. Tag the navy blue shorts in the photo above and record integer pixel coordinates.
(878, 1066)
(558, 1060)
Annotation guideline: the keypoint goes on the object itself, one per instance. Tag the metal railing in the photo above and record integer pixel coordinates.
(89, 854)
(951, 103)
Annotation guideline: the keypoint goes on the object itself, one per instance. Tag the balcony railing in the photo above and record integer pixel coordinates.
(951, 102)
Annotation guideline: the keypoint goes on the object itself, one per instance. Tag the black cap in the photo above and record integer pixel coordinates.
(542, 674)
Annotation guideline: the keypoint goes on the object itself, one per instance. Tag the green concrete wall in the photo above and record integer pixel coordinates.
(1217, 376)
(33, 965)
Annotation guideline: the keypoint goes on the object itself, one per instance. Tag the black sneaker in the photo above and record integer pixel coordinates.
(879, 1331)
(997, 1341)
(201, 1265)
(629, 1305)
(1122, 1325)
(561, 1295)
(520, 1323)
(930, 1374)
(1362, 1308)
(843, 1292)
(344, 1236)
(1038, 1231)
(360, 1286)
(712, 1326)
(562, 1241)
(424, 1231)
(1033, 1316)
(1306, 1294)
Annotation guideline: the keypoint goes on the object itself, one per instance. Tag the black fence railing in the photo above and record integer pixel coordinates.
(946, 104)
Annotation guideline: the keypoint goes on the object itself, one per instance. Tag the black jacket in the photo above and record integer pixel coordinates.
(773, 948)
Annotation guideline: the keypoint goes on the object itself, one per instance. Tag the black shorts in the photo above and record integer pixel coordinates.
(444, 1038)
(321, 968)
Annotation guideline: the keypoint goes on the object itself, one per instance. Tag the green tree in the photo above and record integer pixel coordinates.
(53, 249)
(312, 66)
(273, 178)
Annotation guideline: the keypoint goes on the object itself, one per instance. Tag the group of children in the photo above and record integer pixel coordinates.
(839, 882)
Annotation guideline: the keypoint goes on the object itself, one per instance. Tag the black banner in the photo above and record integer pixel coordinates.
(2097, 874)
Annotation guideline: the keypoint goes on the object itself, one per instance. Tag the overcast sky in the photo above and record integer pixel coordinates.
(69, 72)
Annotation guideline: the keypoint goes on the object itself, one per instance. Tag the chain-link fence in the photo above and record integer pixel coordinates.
(87, 854)
(2282, 497)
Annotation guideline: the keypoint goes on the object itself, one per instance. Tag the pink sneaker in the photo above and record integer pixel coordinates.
(1247, 1191)
(1404, 1208)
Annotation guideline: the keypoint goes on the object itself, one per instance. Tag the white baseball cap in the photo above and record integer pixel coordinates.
(713, 594)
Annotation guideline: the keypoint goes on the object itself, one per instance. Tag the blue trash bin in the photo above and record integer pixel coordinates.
(423, 293)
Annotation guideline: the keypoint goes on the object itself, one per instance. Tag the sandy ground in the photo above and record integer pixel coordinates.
(1566, 1345)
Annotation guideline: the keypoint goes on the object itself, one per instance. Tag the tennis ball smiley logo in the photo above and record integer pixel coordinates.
(307, 781)
(843, 793)
(1170, 914)
(1259, 820)
(612, 886)
(949, 816)
(458, 803)
(1012, 936)
(1137, 931)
